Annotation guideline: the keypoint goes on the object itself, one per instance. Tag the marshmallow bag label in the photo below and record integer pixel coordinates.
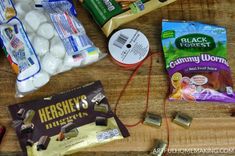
(42, 39)
(196, 60)
(71, 30)
(21, 53)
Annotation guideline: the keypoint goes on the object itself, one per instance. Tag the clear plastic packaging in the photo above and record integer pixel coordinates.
(43, 39)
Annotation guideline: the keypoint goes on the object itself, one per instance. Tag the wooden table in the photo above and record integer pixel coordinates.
(212, 126)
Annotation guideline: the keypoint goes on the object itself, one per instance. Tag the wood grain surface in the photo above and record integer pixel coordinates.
(212, 127)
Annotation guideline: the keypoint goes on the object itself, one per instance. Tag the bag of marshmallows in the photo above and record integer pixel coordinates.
(42, 39)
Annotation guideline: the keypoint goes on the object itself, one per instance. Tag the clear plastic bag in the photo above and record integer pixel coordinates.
(43, 39)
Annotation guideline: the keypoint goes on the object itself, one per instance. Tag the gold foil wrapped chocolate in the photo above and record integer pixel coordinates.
(153, 120)
(159, 148)
(102, 108)
(183, 120)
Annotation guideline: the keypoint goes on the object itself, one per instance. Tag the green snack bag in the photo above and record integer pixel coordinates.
(110, 14)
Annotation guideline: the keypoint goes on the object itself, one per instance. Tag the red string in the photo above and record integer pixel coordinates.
(168, 128)
(147, 98)
(129, 81)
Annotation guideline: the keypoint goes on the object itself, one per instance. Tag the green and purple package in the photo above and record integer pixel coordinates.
(196, 61)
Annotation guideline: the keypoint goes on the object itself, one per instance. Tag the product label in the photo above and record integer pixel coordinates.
(39, 3)
(137, 6)
(199, 47)
(7, 11)
(108, 134)
(199, 80)
(195, 42)
(70, 30)
(103, 10)
(129, 46)
(19, 49)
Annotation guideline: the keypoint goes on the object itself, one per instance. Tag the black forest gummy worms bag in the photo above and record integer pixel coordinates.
(196, 61)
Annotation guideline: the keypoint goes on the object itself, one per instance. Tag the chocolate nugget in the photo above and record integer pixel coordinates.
(29, 116)
(27, 128)
(98, 98)
(73, 133)
(43, 143)
(182, 120)
(68, 127)
(159, 148)
(29, 142)
(101, 121)
(103, 108)
(21, 112)
(153, 120)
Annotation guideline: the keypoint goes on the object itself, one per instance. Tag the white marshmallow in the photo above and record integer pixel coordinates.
(57, 48)
(25, 86)
(73, 61)
(27, 28)
(42, 16)
(35, 18)
(22, 8)
(41, 79)
(50, 64)
(41, 45)
(90, 57)
(46, 30)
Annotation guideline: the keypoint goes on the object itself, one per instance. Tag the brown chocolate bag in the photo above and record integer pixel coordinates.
(67, 122)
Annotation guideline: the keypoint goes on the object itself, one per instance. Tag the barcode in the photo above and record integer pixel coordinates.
(107, 134)
(120, 41)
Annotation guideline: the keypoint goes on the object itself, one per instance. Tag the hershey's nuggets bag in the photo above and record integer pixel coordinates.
(66, 123)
